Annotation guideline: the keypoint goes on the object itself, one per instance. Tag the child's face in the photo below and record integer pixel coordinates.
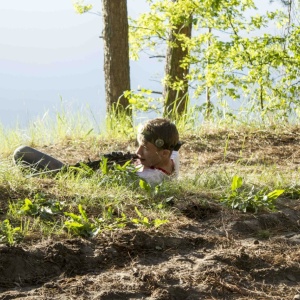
(149, 154)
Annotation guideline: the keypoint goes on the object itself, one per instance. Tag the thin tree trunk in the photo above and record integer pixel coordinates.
(116, 55)
(208, 90)
(176, 100)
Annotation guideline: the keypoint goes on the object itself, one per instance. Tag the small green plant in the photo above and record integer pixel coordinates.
(159, 189)
(83, 170)
(245, 200)
(114, 222)
(9, 234)
(44, 208)
(144, 185)
(104, 166)
(80, 224)
(142, 220)
(117, 174)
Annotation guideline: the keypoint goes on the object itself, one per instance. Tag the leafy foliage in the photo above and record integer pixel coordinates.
(80, 224)
(249, 200)
(141, 101)
(227, 54)
(80, 8)
(143, 220)
(9, 234)
(41, 207)
(117, 174)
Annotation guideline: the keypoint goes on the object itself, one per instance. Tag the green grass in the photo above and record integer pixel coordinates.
(86, 203)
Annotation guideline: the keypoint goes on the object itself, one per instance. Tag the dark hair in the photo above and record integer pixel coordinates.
(162, 133)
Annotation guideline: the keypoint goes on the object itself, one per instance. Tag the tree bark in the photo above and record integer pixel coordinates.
(116, 55)
(176, 100)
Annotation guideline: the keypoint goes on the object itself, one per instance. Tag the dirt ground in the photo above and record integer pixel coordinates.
(211, 252)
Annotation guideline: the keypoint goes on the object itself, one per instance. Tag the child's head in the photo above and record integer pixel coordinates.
(157, 139)
(161, 133)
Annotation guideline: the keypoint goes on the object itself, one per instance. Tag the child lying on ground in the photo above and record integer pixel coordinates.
(157, 153)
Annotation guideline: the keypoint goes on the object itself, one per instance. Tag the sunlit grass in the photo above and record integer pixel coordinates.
(115, 200)
(66, 126)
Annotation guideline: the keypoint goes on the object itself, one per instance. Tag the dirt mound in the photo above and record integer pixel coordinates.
(214, 254)
(210, 252)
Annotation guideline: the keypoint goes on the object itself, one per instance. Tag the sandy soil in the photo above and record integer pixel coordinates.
(210, 252)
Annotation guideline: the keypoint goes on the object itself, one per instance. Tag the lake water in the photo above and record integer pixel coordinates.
(52, 59)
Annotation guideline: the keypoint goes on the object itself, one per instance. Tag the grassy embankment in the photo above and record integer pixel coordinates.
(241, 166)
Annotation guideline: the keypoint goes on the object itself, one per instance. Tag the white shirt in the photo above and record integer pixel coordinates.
(156, 176)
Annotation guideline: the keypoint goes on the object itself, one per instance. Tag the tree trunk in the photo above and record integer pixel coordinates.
(176, 100)
(209, 107)
(116, 55)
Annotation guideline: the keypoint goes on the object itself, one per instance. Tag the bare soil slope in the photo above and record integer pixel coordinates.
(210, 252)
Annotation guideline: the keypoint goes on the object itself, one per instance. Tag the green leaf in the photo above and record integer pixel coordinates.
(236, 182)
(73, 216)
(135, 221)
(146, 221)
(104, 166)
(138, 212)
(80, 8)
(145, 185)
(83, 213)
(158, 222)
(27, 205)
(73, 225)
(275, 194)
